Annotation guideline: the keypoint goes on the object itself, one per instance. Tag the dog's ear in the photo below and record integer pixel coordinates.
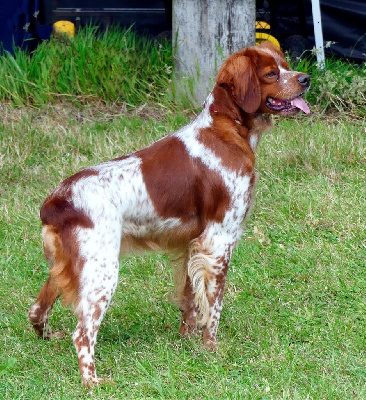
(239, 74)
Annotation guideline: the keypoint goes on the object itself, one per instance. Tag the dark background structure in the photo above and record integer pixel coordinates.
(24, 23)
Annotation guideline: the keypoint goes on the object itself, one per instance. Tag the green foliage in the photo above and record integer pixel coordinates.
(111, 66)
(119, 66)
(340, 87)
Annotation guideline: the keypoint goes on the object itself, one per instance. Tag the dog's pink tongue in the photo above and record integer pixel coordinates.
(301, 103)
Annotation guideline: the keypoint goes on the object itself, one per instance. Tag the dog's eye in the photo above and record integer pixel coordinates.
(271, 74)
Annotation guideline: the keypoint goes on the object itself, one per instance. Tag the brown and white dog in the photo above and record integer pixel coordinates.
(188, 193)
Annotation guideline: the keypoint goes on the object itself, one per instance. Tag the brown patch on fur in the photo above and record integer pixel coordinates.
(277, 53)
(225, 104)
(196, 196)
(82, 340)
(253, 182)
(188, 323)
(61, 250)
(58, 210)
(174, 241)
(228, 141)
(97, 312)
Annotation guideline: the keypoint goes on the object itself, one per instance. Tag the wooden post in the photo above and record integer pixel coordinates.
(205, 32)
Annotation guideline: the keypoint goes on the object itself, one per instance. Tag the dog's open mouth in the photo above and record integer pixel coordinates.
(287, 106)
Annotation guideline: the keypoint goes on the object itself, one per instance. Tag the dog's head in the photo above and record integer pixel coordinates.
(260, 80)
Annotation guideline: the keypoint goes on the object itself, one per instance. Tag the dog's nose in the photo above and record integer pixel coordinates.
(304, 80)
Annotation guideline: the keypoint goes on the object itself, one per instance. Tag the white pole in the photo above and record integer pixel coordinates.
(318, 33)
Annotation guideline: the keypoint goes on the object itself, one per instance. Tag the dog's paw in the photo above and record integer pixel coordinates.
(211, 345)
(91, 382)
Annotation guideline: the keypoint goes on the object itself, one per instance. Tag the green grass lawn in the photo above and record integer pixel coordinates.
(293, 324)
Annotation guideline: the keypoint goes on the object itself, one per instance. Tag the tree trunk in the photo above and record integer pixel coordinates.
(204, 33)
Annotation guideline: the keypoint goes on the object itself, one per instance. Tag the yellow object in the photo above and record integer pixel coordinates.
(262, 36)
(262, 25)
(64, 28)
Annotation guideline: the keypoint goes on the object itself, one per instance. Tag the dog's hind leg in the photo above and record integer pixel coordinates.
(59, 260)
(39, 312)
(184, 297)
(188, 323)
(207, 268)
(98, 283)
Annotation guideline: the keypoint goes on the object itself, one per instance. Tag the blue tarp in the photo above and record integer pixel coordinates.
(16, 17)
